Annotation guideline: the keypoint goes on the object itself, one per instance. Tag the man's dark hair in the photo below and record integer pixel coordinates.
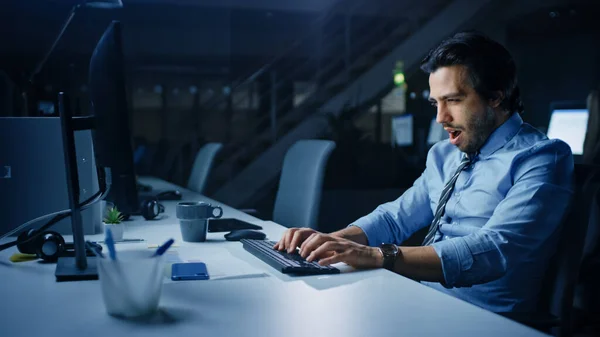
(490, 66)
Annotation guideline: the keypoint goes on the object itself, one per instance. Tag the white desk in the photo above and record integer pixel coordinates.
(354, 303)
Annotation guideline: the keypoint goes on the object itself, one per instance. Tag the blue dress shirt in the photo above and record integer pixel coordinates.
(500, 227)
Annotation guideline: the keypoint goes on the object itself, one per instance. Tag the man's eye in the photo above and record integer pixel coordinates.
(433, 104)
(453, 100)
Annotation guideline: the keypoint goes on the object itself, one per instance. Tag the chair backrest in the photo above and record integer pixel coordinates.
(202, 167)
(299, 193)
(557, 292)
(592, 238)
(591, 145)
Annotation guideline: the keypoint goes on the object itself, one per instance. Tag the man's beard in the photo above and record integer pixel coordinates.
(481, 129)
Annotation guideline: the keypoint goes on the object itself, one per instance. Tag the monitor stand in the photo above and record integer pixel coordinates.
(67, 270)
(78, 267)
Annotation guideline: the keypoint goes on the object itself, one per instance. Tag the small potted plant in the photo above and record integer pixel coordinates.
(113, 220)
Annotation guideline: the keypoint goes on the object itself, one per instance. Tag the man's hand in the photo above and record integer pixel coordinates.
(329, 248)
(293, 238)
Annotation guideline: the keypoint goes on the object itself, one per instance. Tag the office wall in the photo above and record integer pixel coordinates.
(266, 5)
(557, 54)
(152, 28)
(555, 68)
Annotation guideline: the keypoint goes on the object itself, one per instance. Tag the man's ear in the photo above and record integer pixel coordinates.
(497, 99)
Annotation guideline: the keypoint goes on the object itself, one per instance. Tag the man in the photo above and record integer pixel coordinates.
(493, 195)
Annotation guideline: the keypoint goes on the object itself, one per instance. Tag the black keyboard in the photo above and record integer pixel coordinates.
(283, 261)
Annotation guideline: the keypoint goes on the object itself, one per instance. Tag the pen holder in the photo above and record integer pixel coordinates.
(131, 285)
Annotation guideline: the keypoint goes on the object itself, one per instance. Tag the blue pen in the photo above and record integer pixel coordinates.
(162, 249)
(110, 243)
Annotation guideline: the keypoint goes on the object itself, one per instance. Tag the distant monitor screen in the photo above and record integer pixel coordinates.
(46, 107)
(436, 132)
(402, 130)
(570, 126)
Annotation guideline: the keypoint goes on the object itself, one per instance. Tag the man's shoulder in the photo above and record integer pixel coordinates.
(532, 143)
(535, 153)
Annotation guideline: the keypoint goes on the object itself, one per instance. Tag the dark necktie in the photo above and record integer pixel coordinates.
(446, 192)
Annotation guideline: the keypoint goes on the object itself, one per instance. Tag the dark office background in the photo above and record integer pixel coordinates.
(201, 71)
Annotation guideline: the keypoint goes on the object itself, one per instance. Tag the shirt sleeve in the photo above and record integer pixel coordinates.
(522, 224)
(395, 221)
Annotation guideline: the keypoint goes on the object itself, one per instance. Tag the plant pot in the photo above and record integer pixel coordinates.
(116, 229)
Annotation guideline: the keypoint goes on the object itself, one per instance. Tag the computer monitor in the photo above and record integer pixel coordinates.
(46, 108)
(568, 122)
(113, 146)
(402, 130)
(436, 132)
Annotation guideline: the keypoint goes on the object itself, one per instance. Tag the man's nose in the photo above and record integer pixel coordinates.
(443, 115)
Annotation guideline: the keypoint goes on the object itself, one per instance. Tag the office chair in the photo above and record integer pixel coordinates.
(586, 307)
(202, 167)
(299, 193)
(585, 304)
(555, 306)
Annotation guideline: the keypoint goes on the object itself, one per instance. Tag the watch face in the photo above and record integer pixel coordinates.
(389, 249)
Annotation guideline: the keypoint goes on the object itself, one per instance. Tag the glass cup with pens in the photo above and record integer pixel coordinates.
(131, 282)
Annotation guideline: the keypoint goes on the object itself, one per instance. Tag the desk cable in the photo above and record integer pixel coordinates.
(104, 178)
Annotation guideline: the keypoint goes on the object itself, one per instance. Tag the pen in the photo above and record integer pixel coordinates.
(126, 241)
(94, 250)
(110, 243)
(162, 249)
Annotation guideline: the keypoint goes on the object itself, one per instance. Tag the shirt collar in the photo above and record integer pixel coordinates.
(502, 135)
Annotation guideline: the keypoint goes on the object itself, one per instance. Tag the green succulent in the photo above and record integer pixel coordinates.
(113, 216)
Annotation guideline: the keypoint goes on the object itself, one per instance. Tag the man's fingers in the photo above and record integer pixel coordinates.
(323, 250)
(315, 242)
(281, 244)
(335, 258)
(308, 239)
(312, 243)
(298, 238)
(289, 234)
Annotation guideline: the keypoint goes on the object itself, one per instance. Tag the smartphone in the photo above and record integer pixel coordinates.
(189, 271)
(228, 225)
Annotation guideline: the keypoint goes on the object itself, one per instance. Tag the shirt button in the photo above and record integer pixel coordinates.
(457, 194)
(446, 237)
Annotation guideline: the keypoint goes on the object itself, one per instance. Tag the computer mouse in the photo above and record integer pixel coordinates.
(169, 195)
(245, 234)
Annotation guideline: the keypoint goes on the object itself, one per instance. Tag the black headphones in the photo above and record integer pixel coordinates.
(151, 208)
(48, 245)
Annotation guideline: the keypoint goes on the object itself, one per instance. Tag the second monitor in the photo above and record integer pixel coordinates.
(568, 122)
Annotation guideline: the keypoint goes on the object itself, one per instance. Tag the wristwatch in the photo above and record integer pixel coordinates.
(389, 252)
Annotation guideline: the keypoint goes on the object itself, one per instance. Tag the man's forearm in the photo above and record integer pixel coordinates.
(419, 263)
(352, 233)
